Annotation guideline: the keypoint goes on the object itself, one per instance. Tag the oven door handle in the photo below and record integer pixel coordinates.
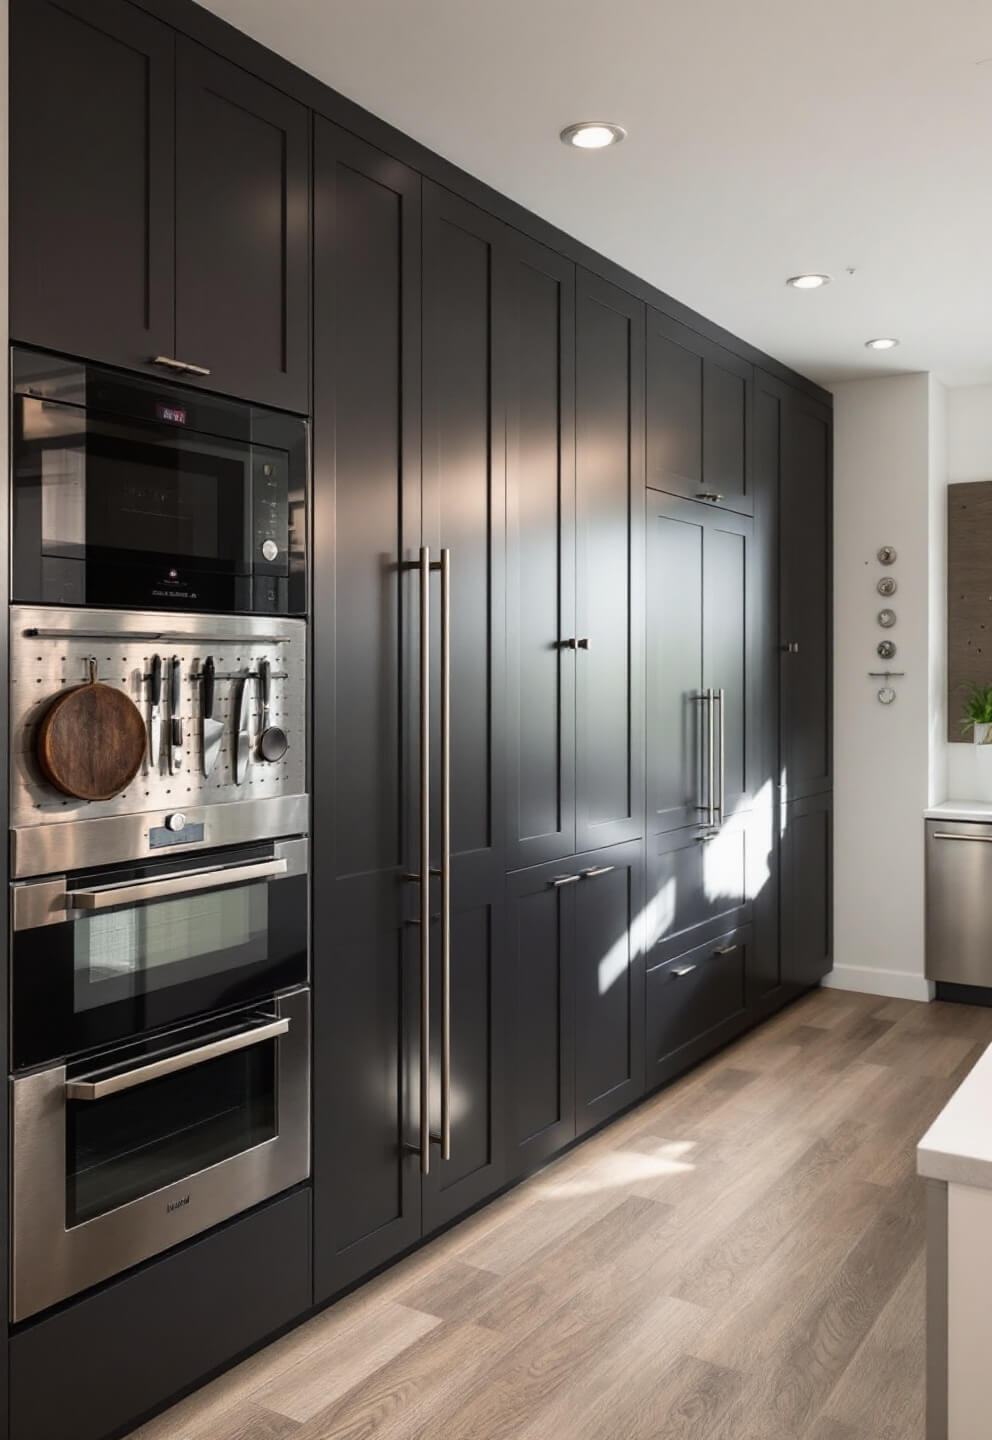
(170, 1064)
(135, 892)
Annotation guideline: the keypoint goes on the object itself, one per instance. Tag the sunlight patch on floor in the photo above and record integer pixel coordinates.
(625, 1167)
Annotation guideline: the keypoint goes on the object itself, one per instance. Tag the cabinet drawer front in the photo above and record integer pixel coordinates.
(694, 994)
(693, 880)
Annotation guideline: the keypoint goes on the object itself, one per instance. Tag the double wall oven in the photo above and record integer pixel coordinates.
(159, 962)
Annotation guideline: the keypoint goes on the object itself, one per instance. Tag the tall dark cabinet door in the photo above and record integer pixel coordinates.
(805, 559)
(242, 231)
(609, 982)
(677, 779)
(540, 555)
(728, 652)
(464, 510)
(92, 179)
(540, 1062)
(367, 531)
(806, 865)
(698, 416)
(609, 464)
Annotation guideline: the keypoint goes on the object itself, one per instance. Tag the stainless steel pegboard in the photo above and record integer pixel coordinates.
(41, 666)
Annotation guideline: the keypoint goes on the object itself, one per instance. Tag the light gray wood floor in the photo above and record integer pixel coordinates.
(740, 1258)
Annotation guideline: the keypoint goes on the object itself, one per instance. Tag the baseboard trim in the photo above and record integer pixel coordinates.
(896, 984)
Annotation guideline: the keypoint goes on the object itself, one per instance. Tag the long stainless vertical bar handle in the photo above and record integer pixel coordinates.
(425, 859)
(709, 759)
(446, 854)
(723, 757)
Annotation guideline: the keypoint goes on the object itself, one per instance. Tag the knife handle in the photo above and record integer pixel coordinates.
(208, 688)
(265, 676)
(156, 681)
(175, 686)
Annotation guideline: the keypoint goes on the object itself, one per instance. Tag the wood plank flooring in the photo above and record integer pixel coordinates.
(740, 1258)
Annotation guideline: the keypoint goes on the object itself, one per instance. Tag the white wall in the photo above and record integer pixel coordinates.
(886, 432)
(969, 457)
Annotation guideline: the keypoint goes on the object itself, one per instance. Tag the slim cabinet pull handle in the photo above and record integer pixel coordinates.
(583, 644)
(683, 970)
(425, 859)
(711, 808)
(706, 837)
(725, 949)
(950, 835)
(181, 367)
(597, 870)
(791, 647)
(445, 854)
(561, 880)
(708, 495)
(567, 644)
(720, 696)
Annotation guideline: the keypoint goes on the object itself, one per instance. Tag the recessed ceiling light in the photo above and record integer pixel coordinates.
(808, 282)
(881, 344)
(593, 134)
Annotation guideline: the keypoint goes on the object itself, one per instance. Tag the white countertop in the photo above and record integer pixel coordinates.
(960, 810)
(958, 1145)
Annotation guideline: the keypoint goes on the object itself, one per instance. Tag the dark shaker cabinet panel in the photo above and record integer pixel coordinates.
(242, 231)
(609, 982)
(698, 416)
(464, 511)
(464, 503)
(92, 179)
(700, 639)
(367, 527)
(806, 864)
(478, 1055)
(540, 509)
(609, 461)
(695, 1003)
(541, 1050)
(805, 560)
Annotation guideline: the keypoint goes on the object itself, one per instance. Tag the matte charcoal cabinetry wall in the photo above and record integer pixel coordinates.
(159, 202)
(637, 509)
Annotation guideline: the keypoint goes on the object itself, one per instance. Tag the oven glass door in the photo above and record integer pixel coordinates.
(143, 1137)
(158, 943)
(128, 512)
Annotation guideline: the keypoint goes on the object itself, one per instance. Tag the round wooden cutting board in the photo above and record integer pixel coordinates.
(91, 741)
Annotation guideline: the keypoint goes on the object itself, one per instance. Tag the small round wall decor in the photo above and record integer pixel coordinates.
(888, 585)
(886, 649)
(886, 695)
(886, 618)
(888, 555)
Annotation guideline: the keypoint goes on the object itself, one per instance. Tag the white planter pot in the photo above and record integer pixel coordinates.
(982, 734)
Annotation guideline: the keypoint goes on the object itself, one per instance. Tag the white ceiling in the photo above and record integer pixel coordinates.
(766, 137)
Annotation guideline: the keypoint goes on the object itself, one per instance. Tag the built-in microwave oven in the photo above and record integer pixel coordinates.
(132, 493)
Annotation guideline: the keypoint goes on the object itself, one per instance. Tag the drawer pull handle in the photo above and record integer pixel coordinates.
(597, 870)
(683, 970)
(709, 835)
(725, 949)
(947, 835)
(708, 495)
(181, 367)
(561, 880)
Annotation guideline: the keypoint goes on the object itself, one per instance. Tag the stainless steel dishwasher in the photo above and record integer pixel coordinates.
(959, 902)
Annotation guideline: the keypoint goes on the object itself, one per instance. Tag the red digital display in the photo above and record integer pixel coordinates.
(171, 414)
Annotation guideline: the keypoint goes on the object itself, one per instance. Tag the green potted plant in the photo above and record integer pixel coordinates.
(978, 714)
